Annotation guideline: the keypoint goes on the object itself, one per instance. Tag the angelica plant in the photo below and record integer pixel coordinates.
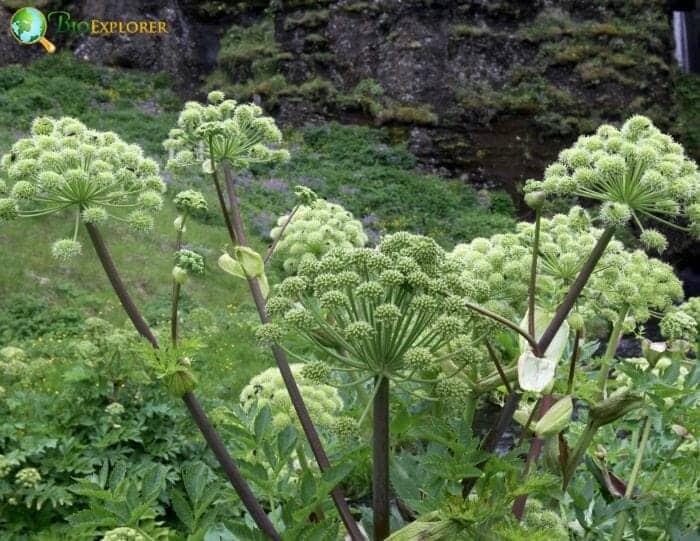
(393, 315)
(64, 166)
(226, 136)
(636, 173)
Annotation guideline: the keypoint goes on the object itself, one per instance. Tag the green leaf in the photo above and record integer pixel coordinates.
(262, 423)
(117, 475)
(182, 509)
(286, 441)
(194, 477)
(219, 532)
(91, 517)
(153, 482)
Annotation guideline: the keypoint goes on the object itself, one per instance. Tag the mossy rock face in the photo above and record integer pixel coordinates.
(525, 76)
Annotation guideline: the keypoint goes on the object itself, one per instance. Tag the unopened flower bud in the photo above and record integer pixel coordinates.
(180, 382)
(616, 406)
(179, 275)
(535, 200)
(681, 432)
(556, 419)
(575, 321)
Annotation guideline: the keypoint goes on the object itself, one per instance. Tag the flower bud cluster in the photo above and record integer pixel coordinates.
(190, 201)
(64, 165)
(5, 466)
(622, 280)
(315, 229)
(222, 130)
(635, 172)
(679, 325)
(395, 308)
(28, 477)
(692, 308)
(123, 534)
(268, 389)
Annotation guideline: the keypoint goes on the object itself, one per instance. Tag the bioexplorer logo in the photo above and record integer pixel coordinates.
(29, 25)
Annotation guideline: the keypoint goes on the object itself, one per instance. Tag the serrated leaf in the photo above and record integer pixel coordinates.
(262, 423)
(91, 517)
(194, 477)
(333, 476)
(182, 509)
(153, 482)
(307, 489)
(219, 532)
(117, 475)
(286, 441)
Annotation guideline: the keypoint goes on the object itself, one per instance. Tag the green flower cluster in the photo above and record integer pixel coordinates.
(5, 466)
(190, 200)
(679, 325)
(692, 309)
(268, 389)
(123, 534)
(314, 230)
(223, 130)
(12, 361)
(395, 310)
(500, 265)
(28, 477)
(115, 409)
(632, 282)
(187, 261)
(635, 172)
(623, 280)
(64, 165)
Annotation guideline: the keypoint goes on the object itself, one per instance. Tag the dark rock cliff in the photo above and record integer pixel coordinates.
(489, 90)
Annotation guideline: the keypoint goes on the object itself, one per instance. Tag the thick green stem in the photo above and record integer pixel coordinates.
(575, 290)
(622, 518)
(380, 460)
(198, 415)
(532, 287)
(470, 409)
(582, 444)
(174, 314)
(238, 236)
(610, 350)
(495, 380)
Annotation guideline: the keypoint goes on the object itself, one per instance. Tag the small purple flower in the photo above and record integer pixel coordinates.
(369, 219)
(263, 222)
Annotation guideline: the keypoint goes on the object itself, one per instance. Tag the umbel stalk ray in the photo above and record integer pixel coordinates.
(238, 236)
(200, 418)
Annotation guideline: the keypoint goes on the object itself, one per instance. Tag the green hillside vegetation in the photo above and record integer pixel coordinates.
(356, 166)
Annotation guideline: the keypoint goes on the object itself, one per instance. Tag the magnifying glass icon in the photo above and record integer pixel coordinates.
(28, 26)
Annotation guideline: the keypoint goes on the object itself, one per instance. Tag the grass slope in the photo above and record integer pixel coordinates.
(358, 167)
